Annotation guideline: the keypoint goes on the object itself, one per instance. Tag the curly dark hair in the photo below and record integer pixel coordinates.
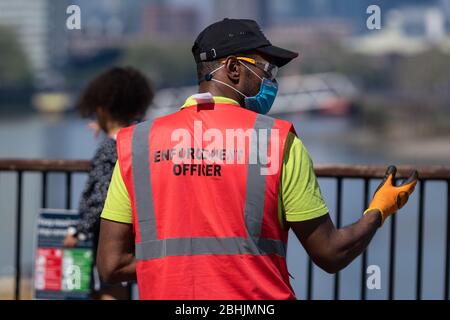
(123, 93)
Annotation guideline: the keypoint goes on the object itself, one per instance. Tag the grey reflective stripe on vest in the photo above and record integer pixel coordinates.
(150, 247)
(141, 180)
(256, 182)
(207, 245)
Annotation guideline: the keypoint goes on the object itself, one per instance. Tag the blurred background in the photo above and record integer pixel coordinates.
(355, 96)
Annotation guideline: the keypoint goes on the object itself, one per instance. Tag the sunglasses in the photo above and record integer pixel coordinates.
(270, 70)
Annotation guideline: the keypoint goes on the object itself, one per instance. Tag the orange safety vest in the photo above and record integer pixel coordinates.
(204, 228)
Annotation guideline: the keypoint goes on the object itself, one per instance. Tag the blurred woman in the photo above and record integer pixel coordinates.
(116, 98)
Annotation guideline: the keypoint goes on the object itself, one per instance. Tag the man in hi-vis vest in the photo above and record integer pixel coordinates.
(201, 200)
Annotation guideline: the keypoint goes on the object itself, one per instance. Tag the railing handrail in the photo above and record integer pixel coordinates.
(322, 170)
(44, 165)
(428, 172)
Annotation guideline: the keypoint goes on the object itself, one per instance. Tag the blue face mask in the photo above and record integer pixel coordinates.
(263, 100)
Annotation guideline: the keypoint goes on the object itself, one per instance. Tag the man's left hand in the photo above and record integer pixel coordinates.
(70, 241)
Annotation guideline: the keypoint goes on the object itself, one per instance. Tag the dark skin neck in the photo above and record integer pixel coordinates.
(218, 89)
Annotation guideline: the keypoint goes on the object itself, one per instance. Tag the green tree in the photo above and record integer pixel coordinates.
(325, 53)
(167, 64)
(427, 74)
(14, 67)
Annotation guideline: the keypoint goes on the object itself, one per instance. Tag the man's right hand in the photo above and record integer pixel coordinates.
(389, 198)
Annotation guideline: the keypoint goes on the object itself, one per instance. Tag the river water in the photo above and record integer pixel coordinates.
(67, 137)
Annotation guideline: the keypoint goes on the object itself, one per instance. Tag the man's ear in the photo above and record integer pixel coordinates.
(233, 68)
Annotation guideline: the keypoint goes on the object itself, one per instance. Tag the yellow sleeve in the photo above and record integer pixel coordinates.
(117, 204)
(301, 198)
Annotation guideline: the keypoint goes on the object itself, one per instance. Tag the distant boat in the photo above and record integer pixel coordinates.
(327, 94)
(52, 102)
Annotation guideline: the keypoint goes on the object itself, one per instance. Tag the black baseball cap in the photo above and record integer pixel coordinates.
(232, 36)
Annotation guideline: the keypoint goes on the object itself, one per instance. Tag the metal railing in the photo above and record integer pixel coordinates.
(338, 172)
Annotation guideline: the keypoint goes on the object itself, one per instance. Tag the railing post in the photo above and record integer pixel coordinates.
(310, 280)
(364, 254)
(338, 225)
(18, 270)
(392, 254)
(44, 189)
(420, 240)
(447, 246)
(392, 258)
(68, 190)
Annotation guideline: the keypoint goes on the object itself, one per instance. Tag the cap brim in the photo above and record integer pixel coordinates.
(279, 56)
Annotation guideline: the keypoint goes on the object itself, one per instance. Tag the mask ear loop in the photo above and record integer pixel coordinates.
(208, 77)
(251, 70)
(231, 87)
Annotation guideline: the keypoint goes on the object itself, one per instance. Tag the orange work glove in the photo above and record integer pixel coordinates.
(388, 198)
